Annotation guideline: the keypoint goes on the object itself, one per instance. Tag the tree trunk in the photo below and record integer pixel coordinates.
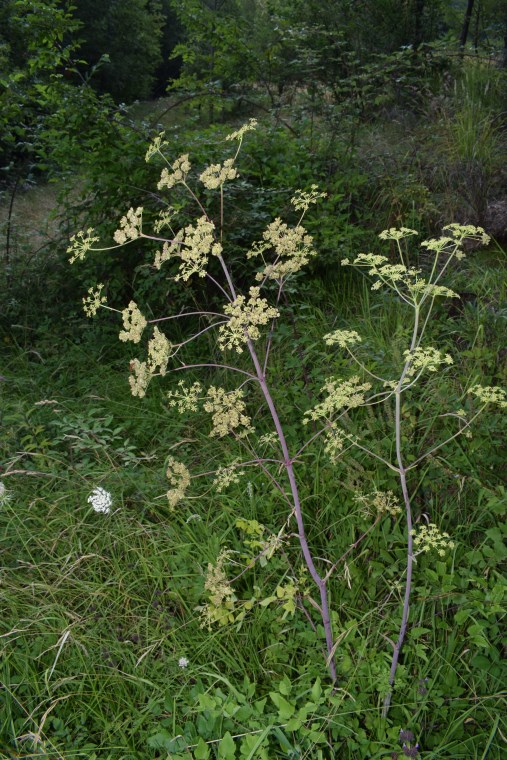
(466, 24)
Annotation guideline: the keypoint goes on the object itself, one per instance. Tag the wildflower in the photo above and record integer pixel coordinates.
(341, 394)
(179, 477)
(335, 441)
(183, 662)
(194, 247)
(489, 394)
(133, 322)
(302, 200)
(156, 146)
(396, 234)
(139, 378)
(185, 398)
(215, 175)
(226, 476)
(343, 338)
(292, 246)
(425, 359)
(228, 410)
(428, 538)
(384, 502)
(101, 500)
(130, 226)
(462, 231)
(244, 320)
(164, 219)
(93, 301)
(180, 168)
(221, 594)
(5, 495)
(81, 243)
(159, 352)
(248, 127)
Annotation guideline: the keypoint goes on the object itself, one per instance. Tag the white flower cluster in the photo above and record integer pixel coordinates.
(101, 500)
(5, 495)
(245, 318)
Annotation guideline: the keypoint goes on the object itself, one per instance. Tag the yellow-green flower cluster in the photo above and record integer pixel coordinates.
(159, 352)
(139, 378)
(292, 247)
(220, 606)
(215, 175)
(341, 394)
(428, 538)
(394, 233)
(335, 441)
(156, 146)
(383, 502)
(164, 220)
(490, 394)
(422, 359)
(248, 127)
(179, 477)
(245, 318)
(303, 199)
(170, 249)
(130, 226)
(197, 244)
(180, 169)
(225, 476)
(461, 232)
(133, 322)
(228, 412)
(93, 301)
(186, 397)
(343, 338)
(80, 244)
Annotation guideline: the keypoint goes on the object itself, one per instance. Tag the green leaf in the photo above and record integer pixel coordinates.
(227, 747)
(202, 751)
(285, 709)
(316, 690)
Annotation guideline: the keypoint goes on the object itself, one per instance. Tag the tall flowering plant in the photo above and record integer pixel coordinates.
(246, 325)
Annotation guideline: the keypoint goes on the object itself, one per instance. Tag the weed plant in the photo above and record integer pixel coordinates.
(105, 604)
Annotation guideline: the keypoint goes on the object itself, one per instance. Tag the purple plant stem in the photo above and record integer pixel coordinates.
(288, 463)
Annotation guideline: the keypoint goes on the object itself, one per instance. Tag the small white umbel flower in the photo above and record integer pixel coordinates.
(183, 662)
(101, 500)
(5, 495)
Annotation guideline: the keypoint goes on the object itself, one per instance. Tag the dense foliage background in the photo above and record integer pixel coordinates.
(398, 111)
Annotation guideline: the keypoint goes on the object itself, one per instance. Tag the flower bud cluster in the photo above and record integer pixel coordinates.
(215, 175)
(179, 477)
(133, 322)
(228, 410)
(80, 244)
(180, 168)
